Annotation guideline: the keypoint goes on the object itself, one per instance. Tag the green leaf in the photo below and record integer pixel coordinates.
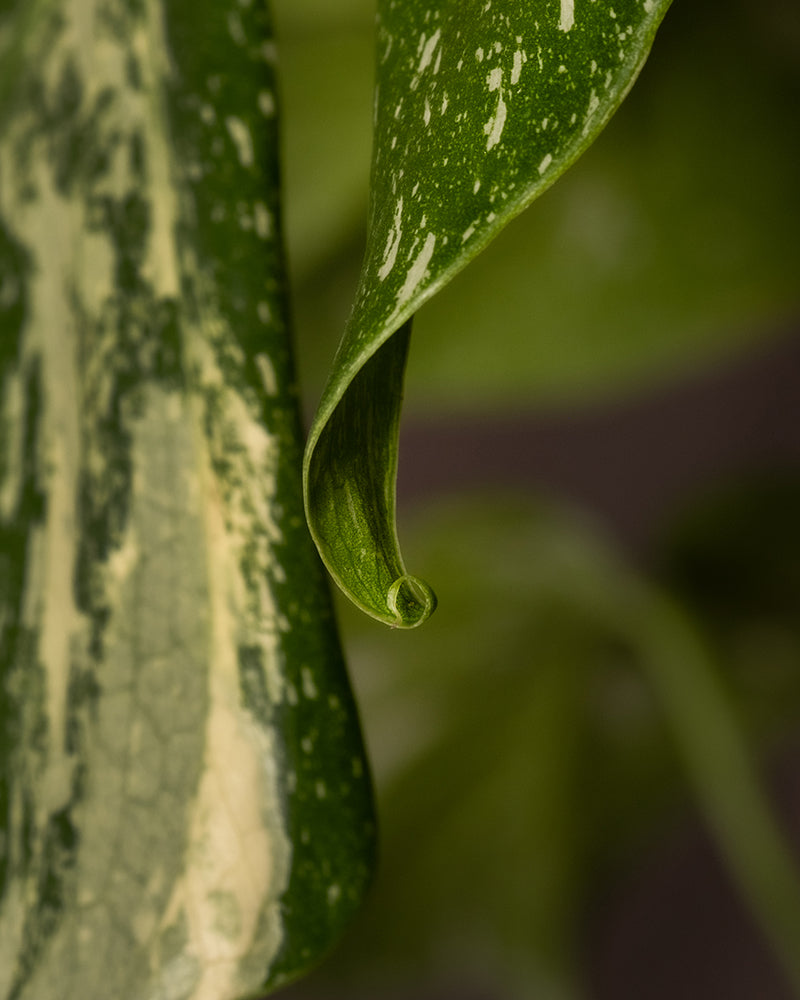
(185, 807)
(475, 117)
(648, 258)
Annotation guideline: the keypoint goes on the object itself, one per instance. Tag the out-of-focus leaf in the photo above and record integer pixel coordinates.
(475, 117)
(326, 57)
(525, 752)
(319, 16)
(672, 242)
(735, 559)
(737, 553)
(477, 737)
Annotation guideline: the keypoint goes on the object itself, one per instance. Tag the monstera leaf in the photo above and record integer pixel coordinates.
(477, 112)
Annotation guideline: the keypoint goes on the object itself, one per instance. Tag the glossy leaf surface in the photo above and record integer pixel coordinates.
(649, 256)
(476, 114)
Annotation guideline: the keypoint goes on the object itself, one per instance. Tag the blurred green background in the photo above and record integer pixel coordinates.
(606, 401)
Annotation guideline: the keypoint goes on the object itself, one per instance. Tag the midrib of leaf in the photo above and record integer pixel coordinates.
(478, 111)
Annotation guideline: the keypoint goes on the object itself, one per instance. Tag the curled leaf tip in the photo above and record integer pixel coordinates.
(350, 473)
(474, 118)
(411, 601)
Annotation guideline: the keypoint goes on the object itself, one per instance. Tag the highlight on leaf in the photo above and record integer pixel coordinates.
(476, 114)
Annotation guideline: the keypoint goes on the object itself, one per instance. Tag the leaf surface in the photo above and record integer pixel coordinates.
(477, 112)
(185, 807)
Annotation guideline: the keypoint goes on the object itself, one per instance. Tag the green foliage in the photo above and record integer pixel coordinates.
(185, 806)
(474, 118)
(535, 745)
(652, 256)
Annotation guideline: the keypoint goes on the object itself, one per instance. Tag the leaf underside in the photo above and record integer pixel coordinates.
(476, 114)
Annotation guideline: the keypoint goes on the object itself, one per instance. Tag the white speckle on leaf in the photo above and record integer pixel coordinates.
(419, 268)
(235, 28)
(594, 104)
(494, 127)
(267, 373)
(476, 187)
(266, 103)
(545, 163)
(263, 220)
(444, 104)
(240, 134)
(426, 112)
(334, 894)
(392, 243)
(479, 55)
(516, 69)
(428, 49)
(567, 14)
(309, 687)
(467, 233)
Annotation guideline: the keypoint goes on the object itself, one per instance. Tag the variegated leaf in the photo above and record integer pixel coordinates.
(479, 107)
(184, 802)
